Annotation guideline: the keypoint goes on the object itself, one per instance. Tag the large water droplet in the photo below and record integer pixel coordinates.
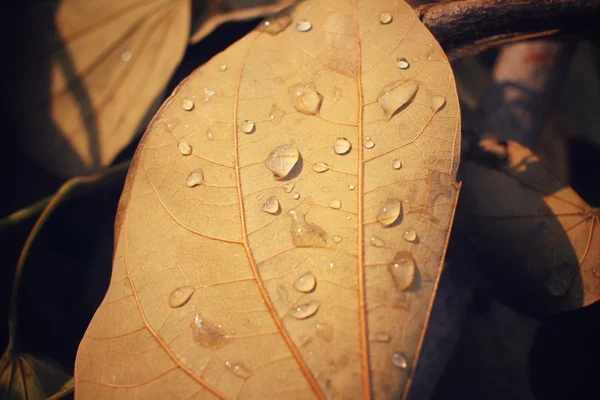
(282, 159)
(335, 204)
(381, 337)
(389, 212)
(181, 295)
(396, 164)
(385, 18)
(289, 187)
(276, 23)
(402, 63)
(306, 310)
(377, 242)
(305, 234)
(184, 148)
(276, 114)
(271, 206)
(248, 127)
(187, 104)
(320, 166)
(303, 25)
(399, 360)
(305, 98)
(396, 95)
(410, 236)
(341, 146)
(402, 270)
(210, 335)
(325, 331)
(195, 178)
(437, 102)
(306, 283)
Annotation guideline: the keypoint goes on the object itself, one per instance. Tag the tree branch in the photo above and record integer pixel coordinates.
(467, 27)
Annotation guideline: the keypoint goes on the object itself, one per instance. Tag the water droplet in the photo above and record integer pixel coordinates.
(377, 242)
(389, 212)
(385, 18)
(207, 334)
(561, 278)
(337, 94)
(248, 127)
(369, 144)
(289, 187)
(402, 63)
(306, 283)
(368, 138)
(296, 196)
(396, 164)
(382, 337)
(403, 269)
(187, 104)
(184, 148)
(341, 146)
(223, 67)
(208, 94)
(306, 310)
(331, 265)
(399, 360)
(126, 56)
(437, 102)
(396, 95)
(305, 234)
(410, 236)
(276, 114)
(348, 217)
(282, 159)
(325, 331)
(303, 25)
(335, 204)
(238, 370)
(277, 23)
(195, 178)
(271, 206)
(320, 166)
(351, 186)
(209, 135)
(337, 239)
(180, 296)
(305, 98)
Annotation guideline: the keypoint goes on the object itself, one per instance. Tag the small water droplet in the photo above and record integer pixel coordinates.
(410, 236)
(331, 265)
(305, 234)
(399, 360)
(208, 334)
(208, 94)
(325, 331)
(402, 270)
(209, 135)
(305, 98)
(248, 127)
(337, 239)
(306, 310)
(385, 18)
(397, 95)
(351, 186)
(306, 283)
(238, 370)
(382, 337)
(289, 187)
(181, 295)
(282, 160)
(437, 102)
(184, 148)
(126, 56)
(335, 204)
(377, 242)
(223, 67)
(195, 178)
(389, 212)
(320, 166)
(276, 114)
(396, 164)
(337, 94)
(271, 206)
(303, 25)
(369, 144)
(187, 104)
(402, 63)
(296, 196)
(341, 146)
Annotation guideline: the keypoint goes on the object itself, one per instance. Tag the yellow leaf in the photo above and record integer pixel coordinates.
(287, 280)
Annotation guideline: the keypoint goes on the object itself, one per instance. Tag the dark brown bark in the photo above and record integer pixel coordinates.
(467, 27)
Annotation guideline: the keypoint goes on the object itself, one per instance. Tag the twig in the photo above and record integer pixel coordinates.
(467, 27)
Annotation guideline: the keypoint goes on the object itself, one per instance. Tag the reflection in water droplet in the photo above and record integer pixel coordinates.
(403, 269)
(341, 146)
(385, 18)
(377, 242)
(276, 115)
(289, 187)
(389, 212)
(410, 236)
(369, 144)
(181, 295)
(187, 104)
(303, 25)
(195, 178)
(351, 186)
(396, 164)
(335, 204)
(276, 23)
(209, 335)
(396, 95)
(337, 239)
(437, 102)
(248, 127)
(271, 206)
(399, 360)
(306, 283)
(402, 63)
(325, 331)
(296, 196)
(208, 94)
(184, 148)
(304, 311)
(238, 370)
(305, 234)
(282, 159)
(320, 166)
(382, 337)
(223, 67)
(305, 98)
(126, 56)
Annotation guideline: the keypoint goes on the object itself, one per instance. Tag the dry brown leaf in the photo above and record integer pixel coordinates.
(92, 72)
(291, 280)
(524, 220)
